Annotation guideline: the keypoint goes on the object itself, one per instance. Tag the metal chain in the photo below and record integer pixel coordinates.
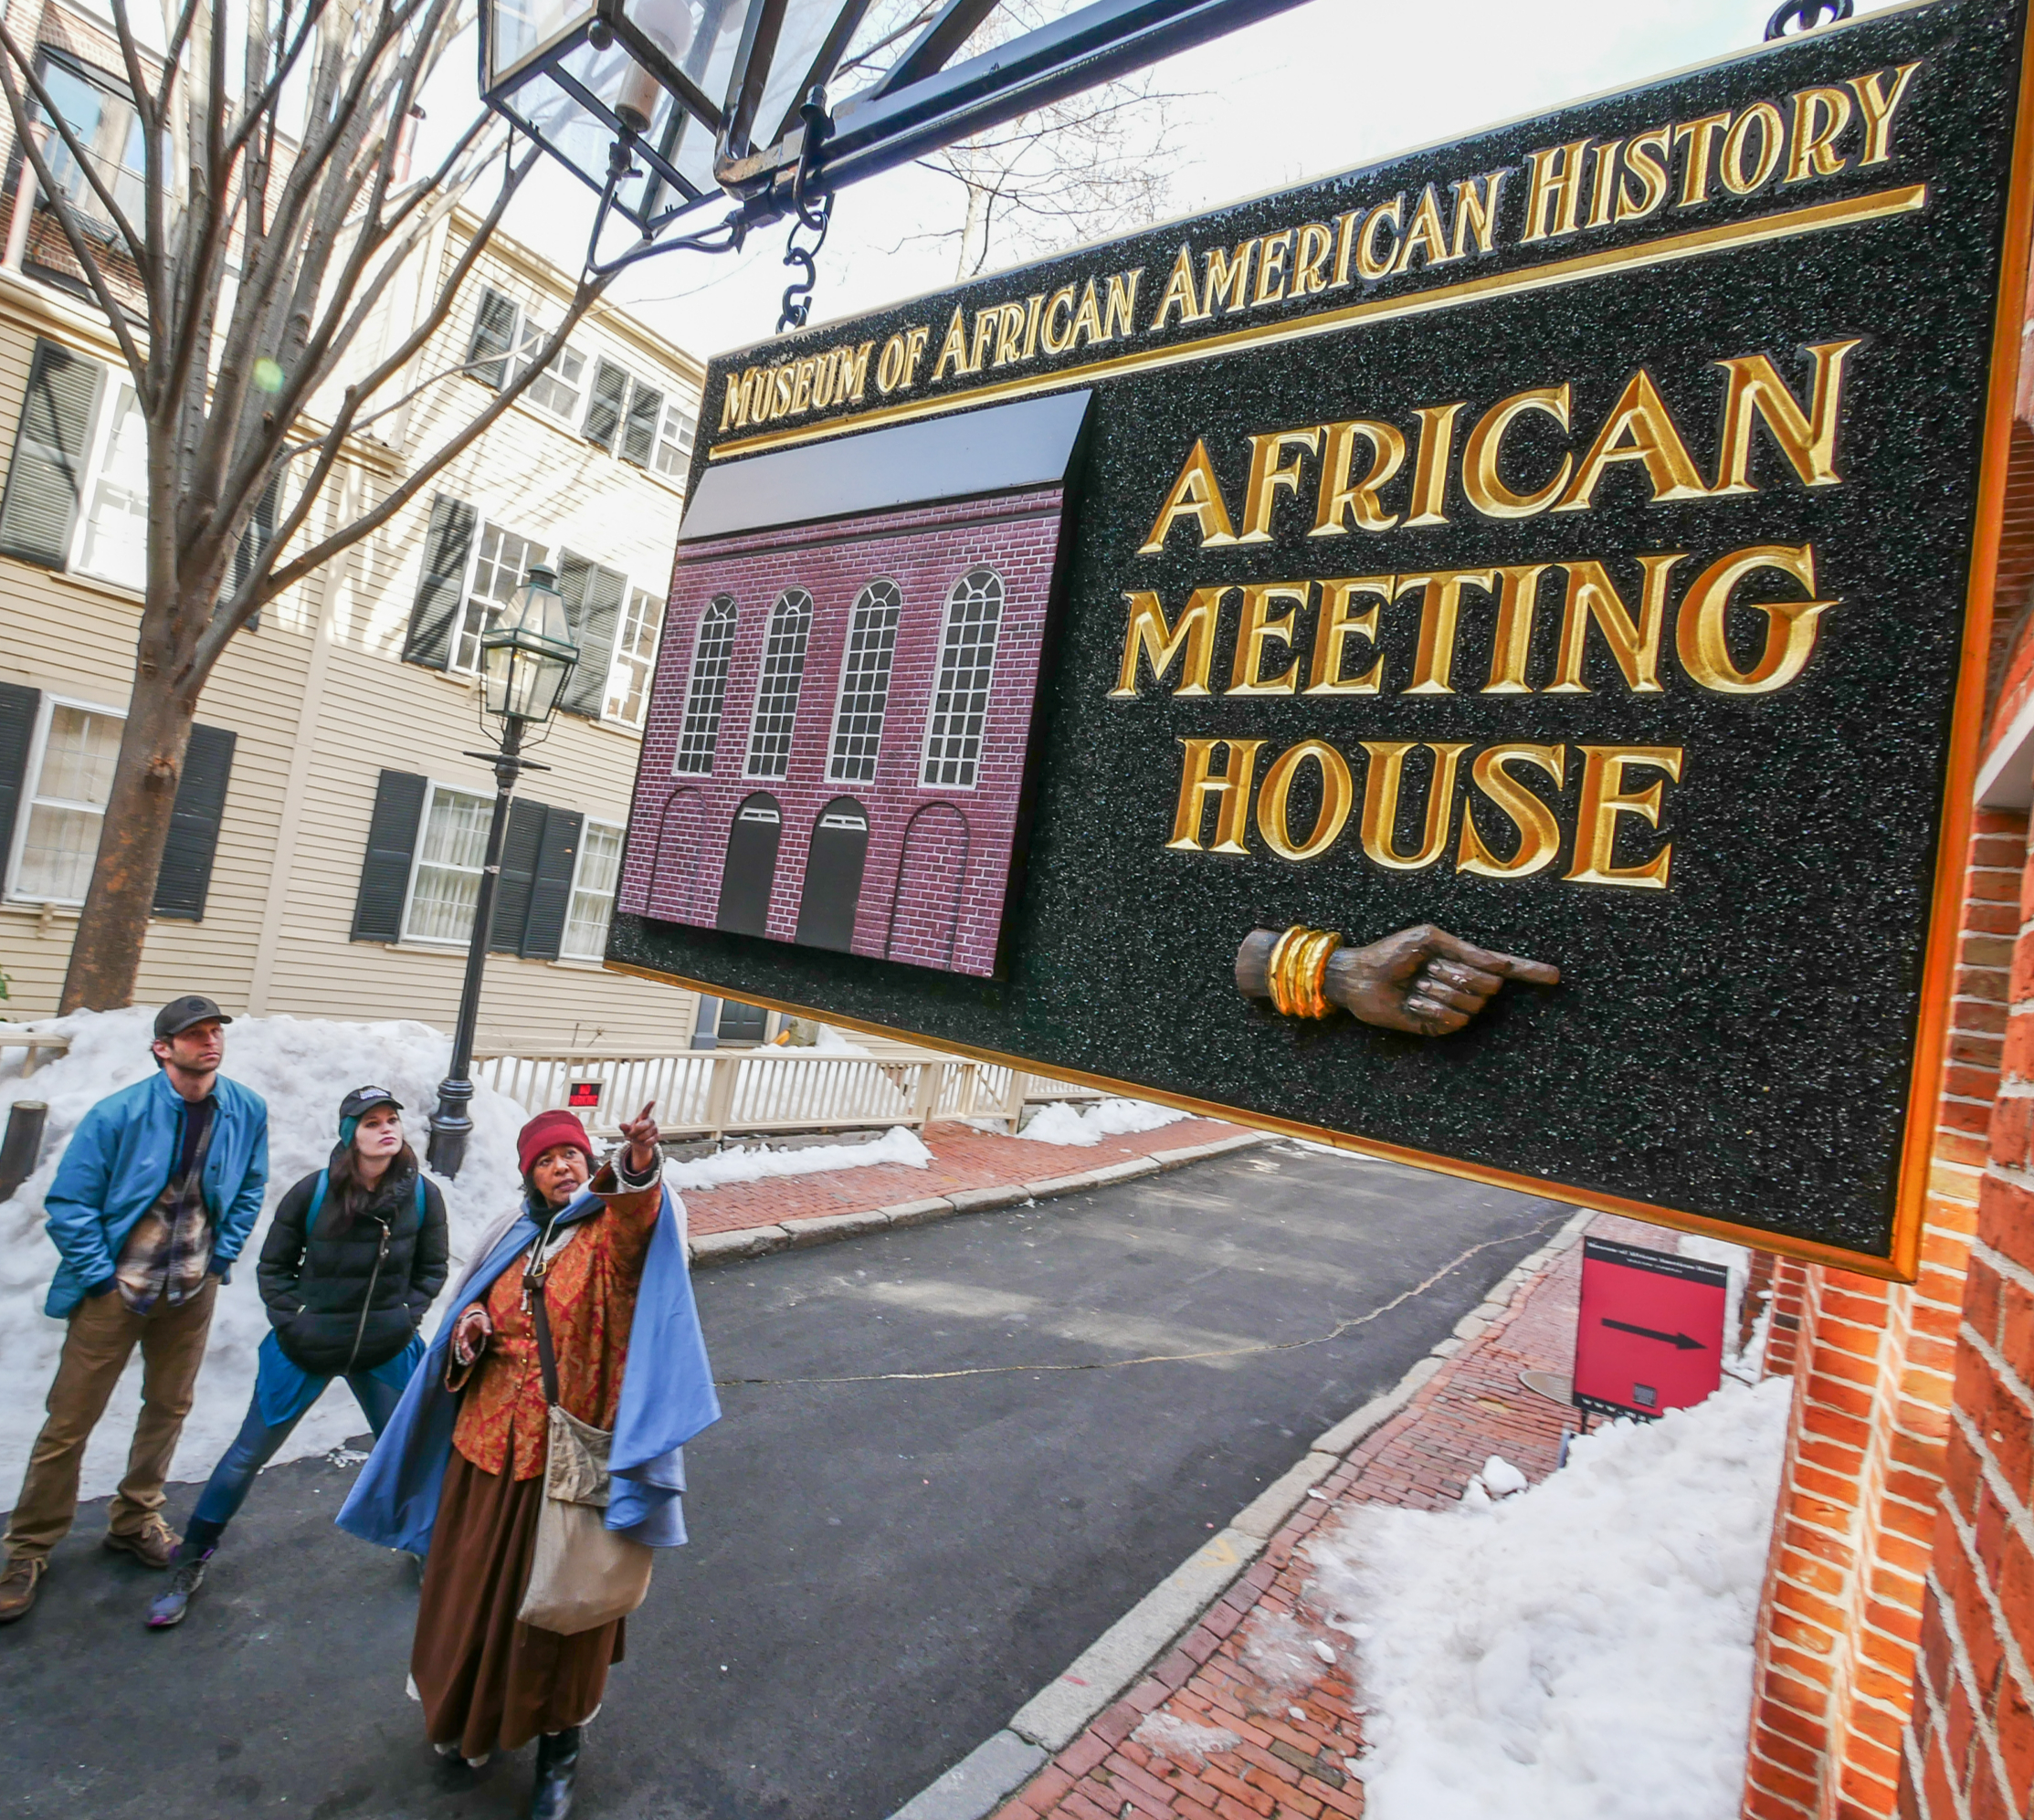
(1808, 15)
(798, 294)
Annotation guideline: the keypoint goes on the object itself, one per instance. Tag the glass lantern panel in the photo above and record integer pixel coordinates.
(521, 28)
(799, 40)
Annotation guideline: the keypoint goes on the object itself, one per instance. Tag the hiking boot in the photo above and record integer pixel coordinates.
(168, 1606)
(155, 1545)
(17, 1585)
(557, 1769)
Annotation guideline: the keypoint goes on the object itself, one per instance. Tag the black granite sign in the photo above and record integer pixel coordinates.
(1576, 540)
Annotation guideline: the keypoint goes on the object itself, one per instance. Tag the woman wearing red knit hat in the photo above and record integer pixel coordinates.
(594, 1253)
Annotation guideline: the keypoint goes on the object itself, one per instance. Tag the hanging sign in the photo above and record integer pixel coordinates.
(1478, 659)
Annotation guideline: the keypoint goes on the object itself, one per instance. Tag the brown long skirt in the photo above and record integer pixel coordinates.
(487, 1682)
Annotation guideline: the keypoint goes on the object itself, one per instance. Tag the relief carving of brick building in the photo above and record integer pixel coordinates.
(836, 748)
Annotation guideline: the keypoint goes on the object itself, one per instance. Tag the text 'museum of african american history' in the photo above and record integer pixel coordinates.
(1477, 657)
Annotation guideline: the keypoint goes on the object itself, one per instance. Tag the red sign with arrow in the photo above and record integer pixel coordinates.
(1651, 1334)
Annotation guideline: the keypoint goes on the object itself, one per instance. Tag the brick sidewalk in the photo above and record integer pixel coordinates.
(1286, 1766)
(963, 1157)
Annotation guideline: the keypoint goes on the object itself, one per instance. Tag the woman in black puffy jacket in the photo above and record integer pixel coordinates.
(353, 1258)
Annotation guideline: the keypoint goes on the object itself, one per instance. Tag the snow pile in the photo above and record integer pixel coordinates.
(303, 1068)
(828, 1041)
(1060, 1123)
(1578, 1651)
(1172, 1736)
(898, 1144)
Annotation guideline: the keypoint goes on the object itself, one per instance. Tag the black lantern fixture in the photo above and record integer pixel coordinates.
(727, 111)
(527, 656)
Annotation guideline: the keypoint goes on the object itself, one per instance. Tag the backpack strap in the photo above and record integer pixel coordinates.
(420, 1197)
(317, 1200)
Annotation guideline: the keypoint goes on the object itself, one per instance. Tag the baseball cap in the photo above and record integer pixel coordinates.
(180, 1013)
(357, 1103)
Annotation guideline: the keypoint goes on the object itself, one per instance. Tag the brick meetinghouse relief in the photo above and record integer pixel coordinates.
(836, 748)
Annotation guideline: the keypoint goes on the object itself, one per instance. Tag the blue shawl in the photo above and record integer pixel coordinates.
(667, 1397)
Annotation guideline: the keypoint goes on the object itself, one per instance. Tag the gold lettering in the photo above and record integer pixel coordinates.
(1605, 186)
(1229, 278)
(1119, 310)
(986, 323)
(1806, 440)
(1009, 334)
(1592, 595)
(1261, 626)
(1054, 343)
(1269, 474)
(1639, 428)
(1380, 803)
(1437, 443)
(1343, 500)
(1338, 625)
(1480, 480)
(1087, 318)
(780, 403)
(1821, 117)
(1345, 245)
(1539, 833)
(1879, 110)
(1196, 494)
(822, 376)
(1645, 158)
(1518, 598)
(1032, 305)
(1271, 268)
(1476, 211)
(1553, 203)
(1700, 635)
(1160, 642)
(1603, 799)
(735, 402)
(1338, 793)
(1309, 273)
(1369, 261)
(852, 373)
(1694, 173)
(1424, 235)
(1178, 294)
(952, 350)
(801, 386)
(914, 347)
(1229, 788)
(1440, 609)
(1771, 130)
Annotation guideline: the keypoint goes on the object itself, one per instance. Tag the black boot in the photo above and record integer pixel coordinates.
(557, 1767)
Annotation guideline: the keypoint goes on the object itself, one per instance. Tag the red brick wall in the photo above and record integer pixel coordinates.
(1872, 1368)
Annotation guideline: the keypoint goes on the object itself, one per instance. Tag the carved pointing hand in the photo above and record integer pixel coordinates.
(1424, 979)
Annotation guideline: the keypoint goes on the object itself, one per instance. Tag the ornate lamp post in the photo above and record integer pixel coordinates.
(526, 657)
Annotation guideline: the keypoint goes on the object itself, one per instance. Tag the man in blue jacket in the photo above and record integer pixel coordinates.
(155, 1195)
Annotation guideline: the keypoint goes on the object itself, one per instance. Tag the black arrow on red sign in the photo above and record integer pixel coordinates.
(1680, 1342)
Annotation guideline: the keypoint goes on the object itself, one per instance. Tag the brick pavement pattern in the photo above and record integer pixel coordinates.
(1293, 1756)
(963, 1157)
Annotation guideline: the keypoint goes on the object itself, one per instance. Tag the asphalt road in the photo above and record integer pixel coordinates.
(951, 1457)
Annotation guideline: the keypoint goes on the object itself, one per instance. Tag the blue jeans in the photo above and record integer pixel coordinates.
(255, 1445)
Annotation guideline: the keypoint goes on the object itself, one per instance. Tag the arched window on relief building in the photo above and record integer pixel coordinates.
(706, 693)
(961, 697)
(857, 722)
(777, 690)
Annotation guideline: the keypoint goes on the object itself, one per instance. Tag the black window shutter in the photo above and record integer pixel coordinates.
(519, 842)
(550, 894)
(447, 544)
(18, 729)
(594, 599)
(391, 845)
(260, 532)
(187, 875)
(494, 326)
(646, 411)
(47, 477)
(608, 400)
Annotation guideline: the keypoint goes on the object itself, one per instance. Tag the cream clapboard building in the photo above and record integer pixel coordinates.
(329, 829)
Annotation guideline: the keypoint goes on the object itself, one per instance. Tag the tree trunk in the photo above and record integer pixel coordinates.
(106, 956)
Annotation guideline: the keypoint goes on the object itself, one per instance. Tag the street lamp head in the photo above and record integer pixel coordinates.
(675, 90)
(527, 655)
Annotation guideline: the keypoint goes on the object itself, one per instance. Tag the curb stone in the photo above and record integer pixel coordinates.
(1055, 1715)
(729, 1248)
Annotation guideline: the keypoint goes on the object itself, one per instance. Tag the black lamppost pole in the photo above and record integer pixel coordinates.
(525, 660)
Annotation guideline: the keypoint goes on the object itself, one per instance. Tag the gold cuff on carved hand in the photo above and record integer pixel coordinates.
(1299, 970)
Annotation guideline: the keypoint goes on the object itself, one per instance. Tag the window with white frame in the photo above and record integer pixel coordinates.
(706, 693)
(112, 532)
(674, 441)
(101, 113)
(593, 892)
(961, 697)
(635, 657)
(776, 690)
(858, 725)
(506, 342)
(445, 883)
(71, 779)
(501, 561)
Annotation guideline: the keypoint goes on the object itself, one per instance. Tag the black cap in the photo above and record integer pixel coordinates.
(357, 1103)
(180, 1013)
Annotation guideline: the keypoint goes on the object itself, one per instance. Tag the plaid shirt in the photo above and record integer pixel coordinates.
(168, 1252)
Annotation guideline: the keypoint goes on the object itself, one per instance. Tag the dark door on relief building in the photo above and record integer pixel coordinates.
(752, 865)
(833, 875)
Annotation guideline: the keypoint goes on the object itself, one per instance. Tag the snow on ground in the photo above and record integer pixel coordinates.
(1581, 1650)
(1060, 1123)
(303, 1068)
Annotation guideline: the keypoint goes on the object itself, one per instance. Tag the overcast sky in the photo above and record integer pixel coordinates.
(1328, 86)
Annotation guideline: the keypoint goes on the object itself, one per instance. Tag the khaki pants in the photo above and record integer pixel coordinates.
(103, 1337)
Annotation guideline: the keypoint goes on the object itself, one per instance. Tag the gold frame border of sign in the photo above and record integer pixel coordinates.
(1940, 956)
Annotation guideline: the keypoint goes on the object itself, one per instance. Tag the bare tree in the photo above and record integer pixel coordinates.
(237, 294)
(1097, 164)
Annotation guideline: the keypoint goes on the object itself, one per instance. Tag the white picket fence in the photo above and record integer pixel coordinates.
(707, 1093)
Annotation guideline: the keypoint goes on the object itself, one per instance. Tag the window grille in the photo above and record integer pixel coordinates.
(706, 692)
(960, 699)
(447, 882)
(857, 727)
(635, 657)
(776, 693)
(505, 559)
(69, 805)
(593, 892)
